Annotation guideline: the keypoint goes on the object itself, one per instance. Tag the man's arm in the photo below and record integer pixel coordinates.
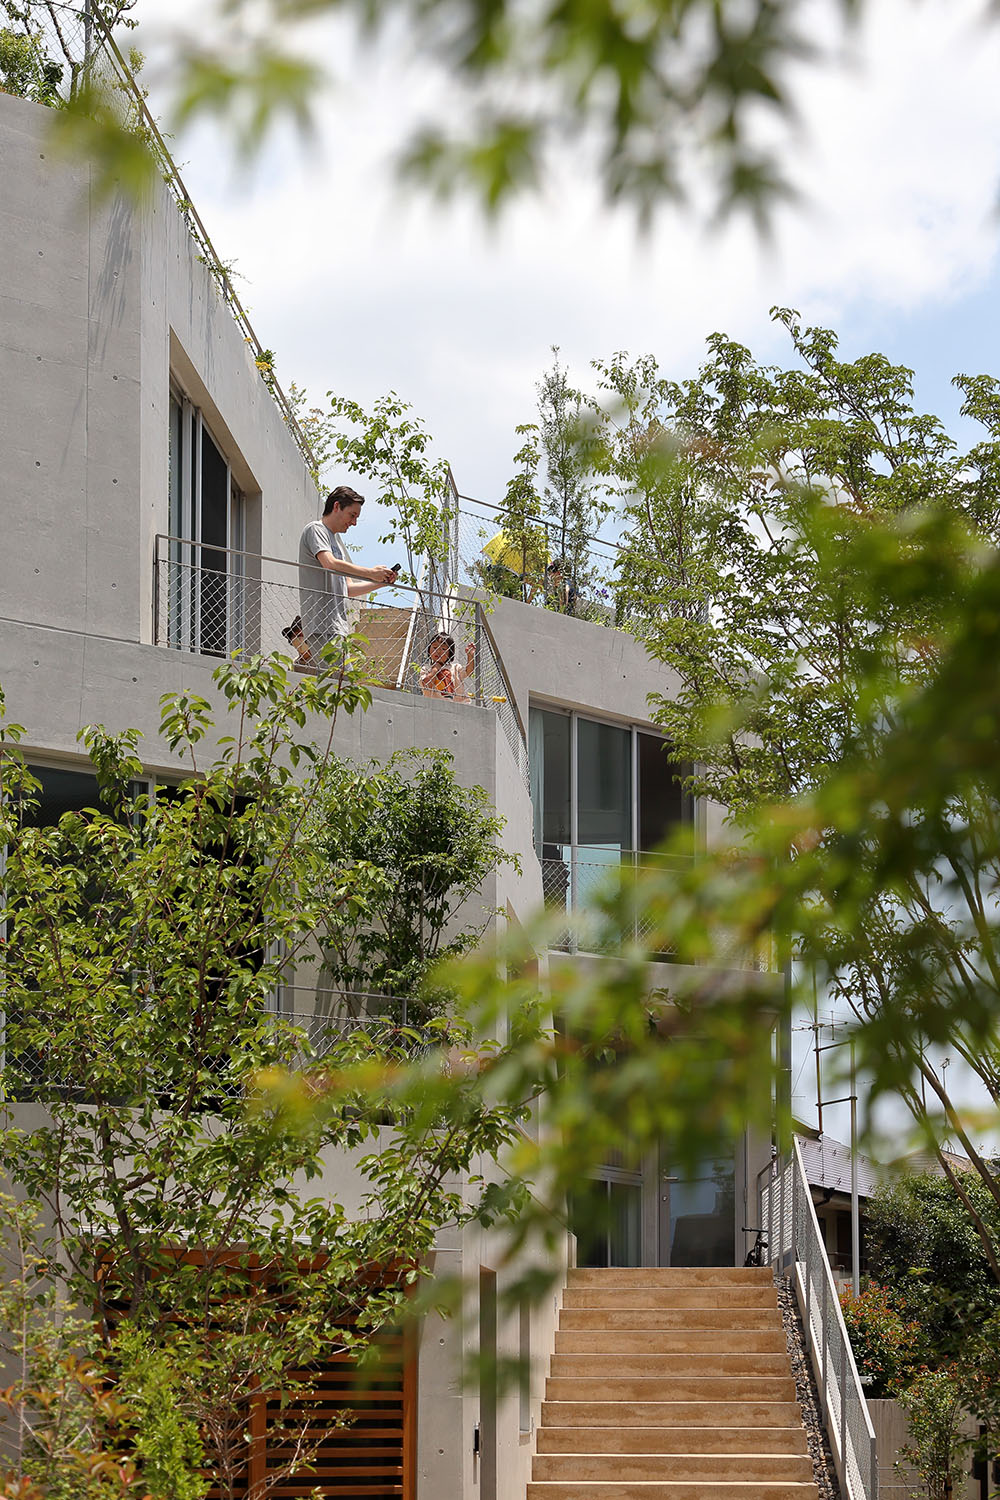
(376, 576)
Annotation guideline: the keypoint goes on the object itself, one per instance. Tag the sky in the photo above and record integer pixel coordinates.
(361, 288)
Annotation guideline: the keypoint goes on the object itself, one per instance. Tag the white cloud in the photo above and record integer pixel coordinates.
(359, 289)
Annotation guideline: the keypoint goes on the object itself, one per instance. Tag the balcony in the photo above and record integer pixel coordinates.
(297, 1028)
(215, 601)
(575, 877)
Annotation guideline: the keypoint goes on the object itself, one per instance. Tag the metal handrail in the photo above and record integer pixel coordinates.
(536, 518)
(797, 1249)
(231, 605)
(284, 562)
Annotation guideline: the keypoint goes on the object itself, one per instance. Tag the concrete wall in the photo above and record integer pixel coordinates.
(576, 664)
(891, 1433)
(98, 301)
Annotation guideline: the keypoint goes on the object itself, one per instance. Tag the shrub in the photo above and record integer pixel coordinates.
(886, 1344)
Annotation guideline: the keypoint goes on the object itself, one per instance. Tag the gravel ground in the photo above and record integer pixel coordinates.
(808, 1396)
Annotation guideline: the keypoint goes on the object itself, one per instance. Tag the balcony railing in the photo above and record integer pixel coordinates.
(575, 876)
(215, 601)
(482, 556)
(482, 549)
(300, 1028)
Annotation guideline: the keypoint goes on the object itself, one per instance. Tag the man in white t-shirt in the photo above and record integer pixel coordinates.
(327, 577)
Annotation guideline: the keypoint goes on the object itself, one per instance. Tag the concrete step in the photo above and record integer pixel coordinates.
(658, 1489)
(670, 1388)
(659, 1296)
(618, 1366)
(615, 1341)
(679, 1276)
(690, 1319)
(619, 1439)
(721, 1467)
(743, 1411)
(671, 1384)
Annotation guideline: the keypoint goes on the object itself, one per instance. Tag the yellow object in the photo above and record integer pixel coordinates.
(532, 559)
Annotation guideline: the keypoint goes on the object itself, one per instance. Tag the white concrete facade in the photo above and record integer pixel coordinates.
(104, 308)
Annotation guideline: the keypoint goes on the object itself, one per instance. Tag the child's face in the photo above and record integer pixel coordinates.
(439, 653)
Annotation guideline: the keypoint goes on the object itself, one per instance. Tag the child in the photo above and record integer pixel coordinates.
(441, 679)
(295, 636)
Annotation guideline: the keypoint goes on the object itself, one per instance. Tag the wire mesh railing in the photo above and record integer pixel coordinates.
(797, 1249)
(52, 49)
(216, 602)
(536, 561)
(576, 877)
(59, 49)
(296, 1028)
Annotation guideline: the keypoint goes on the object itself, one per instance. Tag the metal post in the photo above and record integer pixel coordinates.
(781, 1224)
(156, 591)
(574, 874)
(772, 1181)
(88, 37)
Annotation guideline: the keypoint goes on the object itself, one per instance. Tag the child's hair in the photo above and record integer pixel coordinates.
(447, 641)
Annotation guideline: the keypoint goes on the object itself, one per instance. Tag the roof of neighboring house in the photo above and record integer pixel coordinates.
(927, 1161)
(828, 1165)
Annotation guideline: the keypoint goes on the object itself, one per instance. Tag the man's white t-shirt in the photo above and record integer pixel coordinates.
(322, 593)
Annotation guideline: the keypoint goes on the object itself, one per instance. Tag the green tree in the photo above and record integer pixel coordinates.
(886, 1344)
(799, 548)
(925, 1250)
(936, 1448)
(144, 942)
(426, 846)
(388, 445)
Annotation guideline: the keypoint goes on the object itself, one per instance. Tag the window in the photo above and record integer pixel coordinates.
(602, 795)
(205, 595)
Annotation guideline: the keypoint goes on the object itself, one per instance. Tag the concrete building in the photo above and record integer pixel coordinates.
(133, 413)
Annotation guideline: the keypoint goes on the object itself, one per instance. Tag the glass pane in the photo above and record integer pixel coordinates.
(604, 781)
(661, 801)
(625, 1224)
(550, 746)
(176, 519)
(214, 536)
(702, 1210)
(588, 1219)
(62, 792)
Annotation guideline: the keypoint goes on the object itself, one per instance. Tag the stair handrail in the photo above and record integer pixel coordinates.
(797, 1249)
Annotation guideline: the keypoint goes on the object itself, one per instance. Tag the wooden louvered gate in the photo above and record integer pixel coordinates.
(373, 1457)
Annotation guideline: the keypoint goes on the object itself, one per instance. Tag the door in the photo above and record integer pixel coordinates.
(697, 1213)
(656, 1214)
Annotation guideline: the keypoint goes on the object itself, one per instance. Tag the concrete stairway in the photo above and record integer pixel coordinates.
(671, 1385)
